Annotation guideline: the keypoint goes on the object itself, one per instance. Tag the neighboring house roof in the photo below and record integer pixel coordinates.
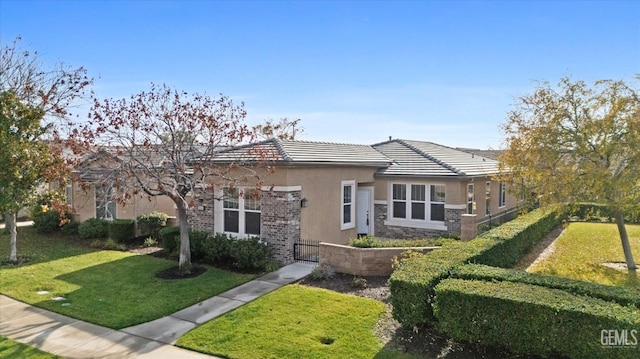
(306, 152)
(427, 159)
(493, 154)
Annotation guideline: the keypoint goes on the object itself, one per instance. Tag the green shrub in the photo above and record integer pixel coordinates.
(170, 237)
(515, 238)
(369, 241)
(531, 319)
(49, 221)
(70, 228)
(249, 254)
(598, 212)
(217, 249)
(111, 244)
(122, 230)
(620, 295)
(149, 224)
(93, 228)
(150, 242)
(412, 283)
(197, 240)
(321, 272)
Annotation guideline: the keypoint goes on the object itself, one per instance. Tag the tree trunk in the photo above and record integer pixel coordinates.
(624, 237)
(184, 264)
(11, 223)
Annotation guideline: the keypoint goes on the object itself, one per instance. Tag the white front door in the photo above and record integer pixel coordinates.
(364, 210)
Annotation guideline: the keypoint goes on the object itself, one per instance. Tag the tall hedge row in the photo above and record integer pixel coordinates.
(532, 319)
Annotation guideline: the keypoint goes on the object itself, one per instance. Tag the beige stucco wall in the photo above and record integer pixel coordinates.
(84, 205)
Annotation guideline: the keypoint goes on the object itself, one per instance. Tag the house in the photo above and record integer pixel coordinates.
(92, 192)
(335, 192)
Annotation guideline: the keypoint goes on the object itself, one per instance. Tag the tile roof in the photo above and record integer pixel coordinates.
(306, 152)
(427, 159)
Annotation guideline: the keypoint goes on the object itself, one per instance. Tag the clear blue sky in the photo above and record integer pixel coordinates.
(354, 72)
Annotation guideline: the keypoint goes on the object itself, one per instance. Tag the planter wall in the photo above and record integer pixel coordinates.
(362, 261)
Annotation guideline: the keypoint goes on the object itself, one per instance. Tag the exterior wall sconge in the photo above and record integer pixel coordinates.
(304, 202)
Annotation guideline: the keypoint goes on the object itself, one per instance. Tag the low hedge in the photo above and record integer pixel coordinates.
(412, 283)
(122, 230)
(531, 319)
(93, 228)
(619, 295)
(170, 238)
(149, 224)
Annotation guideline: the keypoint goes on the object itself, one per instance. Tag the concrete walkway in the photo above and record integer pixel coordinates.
(72, 338)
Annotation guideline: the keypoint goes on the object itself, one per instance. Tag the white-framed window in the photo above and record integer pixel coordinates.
(488, 199)
(502, 192)
(471, 198)
(68, 194)
(241, 212)
(347, 205)
(105, 203)
(416, 203)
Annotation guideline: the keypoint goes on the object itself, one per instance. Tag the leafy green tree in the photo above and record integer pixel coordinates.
(576, 143)
(24, 158)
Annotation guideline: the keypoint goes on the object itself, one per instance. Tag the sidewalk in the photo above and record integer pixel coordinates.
(72, 338)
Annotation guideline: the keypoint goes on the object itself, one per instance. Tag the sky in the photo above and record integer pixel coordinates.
(351, 71)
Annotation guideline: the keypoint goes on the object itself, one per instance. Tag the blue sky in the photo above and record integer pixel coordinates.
(357, 72)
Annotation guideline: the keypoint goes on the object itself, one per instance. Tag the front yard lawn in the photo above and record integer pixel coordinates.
(583, 248)
(109, 288)
(295, 321)
(11, 349)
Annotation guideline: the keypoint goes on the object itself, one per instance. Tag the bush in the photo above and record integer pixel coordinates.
(93, 228)
(70, 228)
(370, 241)
(122, 230)
(150, 242)
(249, 254)
(197, 240)
(412, 283)
(598, 212)
(531, 319)
(322, 271)
(110, 244)
(217, 249)
(170, 237)
(149, 224)
(619, 295)
(48, 221)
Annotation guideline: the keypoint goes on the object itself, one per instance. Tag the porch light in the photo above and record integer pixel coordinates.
(304, 202)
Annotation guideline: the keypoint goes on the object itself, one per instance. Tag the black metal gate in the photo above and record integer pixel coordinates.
(306, 251)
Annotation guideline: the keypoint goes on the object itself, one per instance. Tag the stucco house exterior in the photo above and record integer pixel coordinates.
(334, 192)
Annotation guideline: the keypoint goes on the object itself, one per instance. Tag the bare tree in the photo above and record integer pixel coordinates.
(162, 141)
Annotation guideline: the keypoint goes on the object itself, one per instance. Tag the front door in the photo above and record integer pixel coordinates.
(364, 215)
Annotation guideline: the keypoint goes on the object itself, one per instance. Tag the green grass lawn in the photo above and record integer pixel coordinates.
(581, 250)
(109, 288)
(11, 349)
(295, 322)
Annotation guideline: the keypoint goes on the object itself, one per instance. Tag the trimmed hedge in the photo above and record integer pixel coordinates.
(149, 224)
(531, 319)
(619, 295)
(598, 212)
(93, 228)
(170, 237)
(122, 230)
(412, 283)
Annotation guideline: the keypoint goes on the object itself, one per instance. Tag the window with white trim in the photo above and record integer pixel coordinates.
(502, 192)
(471, 198)
(105, 202)
(488, 199)
(241, 212)
(68, 194)
(417, 202)
(348, 208)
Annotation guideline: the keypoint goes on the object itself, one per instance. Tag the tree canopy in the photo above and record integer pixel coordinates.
(576, 143)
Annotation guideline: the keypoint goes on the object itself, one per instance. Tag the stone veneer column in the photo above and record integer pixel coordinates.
(469, 228)
(280, 217)
(452, 218)
(201, 214)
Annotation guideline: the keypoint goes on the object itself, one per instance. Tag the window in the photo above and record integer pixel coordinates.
(347, 213)
(68, 194)
(471, 198)
(437, 202)
(409, 202)
(488, 199)
(105, 204)
(241, 212)
(502, 191)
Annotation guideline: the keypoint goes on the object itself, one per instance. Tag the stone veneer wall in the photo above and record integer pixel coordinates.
(280, 216)
(453, 218)
(382, 230)
(201, 217)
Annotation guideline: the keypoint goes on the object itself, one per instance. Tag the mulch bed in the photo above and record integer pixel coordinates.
(174, 273)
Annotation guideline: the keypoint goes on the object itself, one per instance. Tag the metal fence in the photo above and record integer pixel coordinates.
(494, 220)
(306, 251)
